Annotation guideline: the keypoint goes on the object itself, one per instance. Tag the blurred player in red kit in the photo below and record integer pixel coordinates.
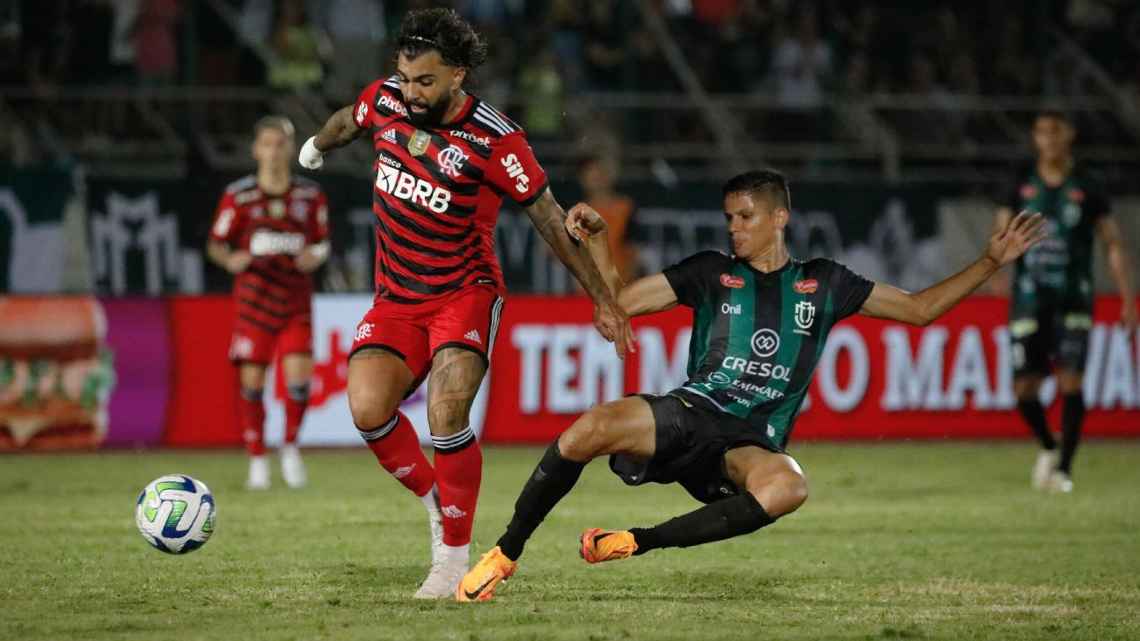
(444, 162)
(270, 232)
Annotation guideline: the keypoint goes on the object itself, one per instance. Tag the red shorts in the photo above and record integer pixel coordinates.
(256, 345)
(467, 318)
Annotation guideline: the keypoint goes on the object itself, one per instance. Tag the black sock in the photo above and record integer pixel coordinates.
(724, 519)
(1072, 416)
(551, 480)
(1034, 415)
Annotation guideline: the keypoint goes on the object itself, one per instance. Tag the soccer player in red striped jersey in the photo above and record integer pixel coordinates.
(444, 162)
(270, 232)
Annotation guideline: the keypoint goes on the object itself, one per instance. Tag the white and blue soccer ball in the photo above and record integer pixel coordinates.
(176, 513)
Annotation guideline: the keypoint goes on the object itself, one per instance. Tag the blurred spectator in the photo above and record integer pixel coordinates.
(45, 40)
(91, 50)
(597, 175)
(357, 30)
(540, 88)
(566, 21)
(300, 48)
(156, 42)
(604, 46)
(125, 13)
(802, 64)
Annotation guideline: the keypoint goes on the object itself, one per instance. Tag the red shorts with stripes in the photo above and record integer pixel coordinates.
(257, 344)
(467, 318)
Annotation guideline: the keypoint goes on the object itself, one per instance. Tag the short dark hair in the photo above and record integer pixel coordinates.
(442, 30)
(1055, 114)
(280, 123)
(768, 182)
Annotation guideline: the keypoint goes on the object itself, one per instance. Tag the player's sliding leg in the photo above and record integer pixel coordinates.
(298, 371)
(377, 382)
(625, 426)
(773, 485)
(251, 381)
(456, 374)
(1027, 388)
(1070, 383)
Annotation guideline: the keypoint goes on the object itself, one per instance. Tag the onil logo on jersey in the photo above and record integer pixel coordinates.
(515, 170)
(415, 190)
(269, 243)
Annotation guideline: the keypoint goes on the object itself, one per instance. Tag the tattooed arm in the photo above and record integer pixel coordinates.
(611, 321)
(339, 130)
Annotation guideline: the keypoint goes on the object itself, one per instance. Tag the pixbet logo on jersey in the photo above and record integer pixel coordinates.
(407, 187)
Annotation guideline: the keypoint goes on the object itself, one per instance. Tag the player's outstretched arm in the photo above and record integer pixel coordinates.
(549, 219)
(1006, 245)
(1120, 265)
(585, 224)
(339, 130)
(643, 296)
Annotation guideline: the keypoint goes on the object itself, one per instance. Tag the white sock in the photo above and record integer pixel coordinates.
(431, 500)
(456, 553)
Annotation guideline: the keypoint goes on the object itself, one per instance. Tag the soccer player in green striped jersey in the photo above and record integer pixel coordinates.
(760, 319)
(1052, 294)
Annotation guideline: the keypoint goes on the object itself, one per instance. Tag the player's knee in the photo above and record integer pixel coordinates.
(588, 436)
(781, 494)
(370, 408)
(1026, 389)
(1070, 382)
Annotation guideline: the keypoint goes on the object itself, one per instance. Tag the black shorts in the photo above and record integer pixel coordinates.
(1055, 336)
(691, 443)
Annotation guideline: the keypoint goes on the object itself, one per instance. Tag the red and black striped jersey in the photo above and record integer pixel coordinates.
(438, 191)
(274, 228)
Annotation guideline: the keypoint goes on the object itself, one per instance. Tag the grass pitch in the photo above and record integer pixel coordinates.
(910, 541)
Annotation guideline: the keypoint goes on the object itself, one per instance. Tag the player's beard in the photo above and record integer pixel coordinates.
(432, 117)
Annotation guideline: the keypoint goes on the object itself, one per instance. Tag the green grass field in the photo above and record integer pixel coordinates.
(914, 541)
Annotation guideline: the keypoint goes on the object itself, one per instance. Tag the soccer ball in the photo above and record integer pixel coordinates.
(176, 513)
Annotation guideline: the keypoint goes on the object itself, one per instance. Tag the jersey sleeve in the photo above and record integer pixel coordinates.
(849, 290)
(365, 103)
(227, 221)
(690, 278)
(513, 170)
(318, 231)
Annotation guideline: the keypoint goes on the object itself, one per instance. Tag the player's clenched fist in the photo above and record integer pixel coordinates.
(311, 157)
(583, 221)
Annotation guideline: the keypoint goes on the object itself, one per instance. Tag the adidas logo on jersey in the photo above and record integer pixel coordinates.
(452, 512)
(407, 187)
(473, 335)
(389, 135)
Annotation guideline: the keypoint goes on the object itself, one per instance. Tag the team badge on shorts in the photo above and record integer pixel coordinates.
(418, 143)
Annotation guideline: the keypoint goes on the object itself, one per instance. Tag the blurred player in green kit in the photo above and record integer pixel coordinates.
(1052, 290)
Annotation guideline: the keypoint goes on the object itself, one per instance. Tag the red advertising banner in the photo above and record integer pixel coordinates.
(874, 380)
(203, 384)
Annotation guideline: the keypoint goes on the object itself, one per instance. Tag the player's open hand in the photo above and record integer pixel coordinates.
(583, 221)
(613, 324)
(1009, 244)
(238, 262)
